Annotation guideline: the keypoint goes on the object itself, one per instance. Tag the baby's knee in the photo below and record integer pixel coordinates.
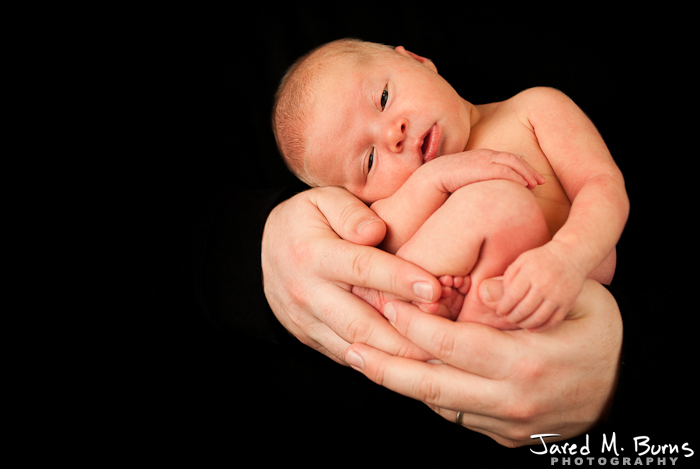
(520, 207)
(504, 206)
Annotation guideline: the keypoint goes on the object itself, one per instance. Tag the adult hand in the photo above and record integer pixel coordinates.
(508, 385)
(309, 271)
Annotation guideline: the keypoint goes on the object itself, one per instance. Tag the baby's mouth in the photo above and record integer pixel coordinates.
(426, 144)
(430, 144)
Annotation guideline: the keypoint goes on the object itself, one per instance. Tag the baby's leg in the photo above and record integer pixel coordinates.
(479, 231)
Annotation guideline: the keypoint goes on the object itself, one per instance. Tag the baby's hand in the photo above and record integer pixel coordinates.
(461, 169)
(538, 289)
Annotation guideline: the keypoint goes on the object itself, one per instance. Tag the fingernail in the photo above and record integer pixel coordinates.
(492, 289)
(390, 313)
(423, 290)
(363, 224)
(354, 360)
(487, 293)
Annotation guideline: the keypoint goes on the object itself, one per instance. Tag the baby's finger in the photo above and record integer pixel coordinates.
(527, 170)
(522, 167)
(548, 315)
(538, 316)
(513, 293)
(524, 308)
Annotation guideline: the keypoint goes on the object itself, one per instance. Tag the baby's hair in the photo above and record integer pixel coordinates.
(291, 112)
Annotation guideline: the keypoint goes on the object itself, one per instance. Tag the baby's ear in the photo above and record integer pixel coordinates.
(427, 62)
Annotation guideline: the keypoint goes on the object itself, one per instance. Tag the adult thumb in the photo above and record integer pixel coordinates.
(491, 291)
(348, 216)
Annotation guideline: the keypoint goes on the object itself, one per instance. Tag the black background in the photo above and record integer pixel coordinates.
(177, 105)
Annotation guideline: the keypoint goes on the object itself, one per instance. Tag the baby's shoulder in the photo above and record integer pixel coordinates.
(532, 105)
(538, 98)
(523, 111)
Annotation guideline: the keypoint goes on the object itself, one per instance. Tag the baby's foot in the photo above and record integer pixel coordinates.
(449, 305)
(454, 288)
(460, 283)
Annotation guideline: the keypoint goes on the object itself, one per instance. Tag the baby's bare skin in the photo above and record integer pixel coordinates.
(505, 126)
(474, 236)
(379, 122)
(499, 125)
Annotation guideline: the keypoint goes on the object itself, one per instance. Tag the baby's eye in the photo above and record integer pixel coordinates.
(385, 97)
(370, 160)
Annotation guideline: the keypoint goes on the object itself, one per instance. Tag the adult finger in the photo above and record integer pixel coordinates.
(475, 348)
(484, 403)
(348, 319)
(438, 385)
(348, 216)
(493, 427)
(363, 266)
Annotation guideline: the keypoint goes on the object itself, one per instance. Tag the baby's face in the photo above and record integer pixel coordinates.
(373, 124)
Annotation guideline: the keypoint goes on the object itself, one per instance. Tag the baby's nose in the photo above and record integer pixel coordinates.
(396, 134)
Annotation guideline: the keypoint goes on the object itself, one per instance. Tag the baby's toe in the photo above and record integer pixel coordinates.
(446, 280)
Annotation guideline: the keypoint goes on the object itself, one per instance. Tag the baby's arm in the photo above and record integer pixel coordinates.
(548, 279)
(430, 185)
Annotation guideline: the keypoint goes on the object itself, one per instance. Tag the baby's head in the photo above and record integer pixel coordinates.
(365, 116)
